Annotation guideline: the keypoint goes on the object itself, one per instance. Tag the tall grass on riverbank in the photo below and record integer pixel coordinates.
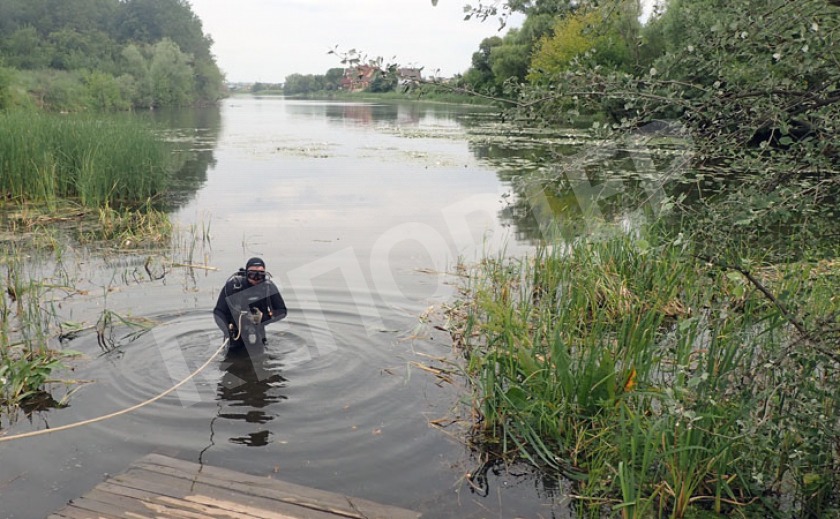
(661, 383)
(47, 157)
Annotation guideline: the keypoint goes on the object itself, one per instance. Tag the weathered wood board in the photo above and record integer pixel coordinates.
(159, 487)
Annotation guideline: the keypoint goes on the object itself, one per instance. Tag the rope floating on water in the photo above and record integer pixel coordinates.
(117, 413)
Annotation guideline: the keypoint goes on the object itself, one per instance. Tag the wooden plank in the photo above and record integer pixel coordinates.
(75, 513)
(179, 488)
(140, 507)
(331, 503)
(94, 508)
(224, 477)
(159, 487)
(119, 504)
(156, 493)
(275, 489)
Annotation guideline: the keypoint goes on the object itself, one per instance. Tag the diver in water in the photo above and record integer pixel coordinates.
(247, 303)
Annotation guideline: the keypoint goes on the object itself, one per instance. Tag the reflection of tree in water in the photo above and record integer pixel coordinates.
(563, 184)
(396, 113)
(194, 132)
(250, 385)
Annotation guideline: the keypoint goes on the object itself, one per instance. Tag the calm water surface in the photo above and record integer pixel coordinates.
(359, 210)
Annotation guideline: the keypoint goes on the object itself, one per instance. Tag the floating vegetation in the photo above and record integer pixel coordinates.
(39, 291)
(28, 318)
(318, 150)
(114, 330)
(37, 225)
(24, 375)
(129, 229)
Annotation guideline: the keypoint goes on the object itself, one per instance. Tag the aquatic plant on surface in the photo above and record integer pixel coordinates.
(38, 226)
(28, 319)
(37, 295)
(663, 384)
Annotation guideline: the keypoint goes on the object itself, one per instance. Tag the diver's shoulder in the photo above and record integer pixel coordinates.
(236, 281)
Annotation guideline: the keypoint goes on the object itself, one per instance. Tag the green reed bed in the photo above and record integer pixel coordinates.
(88, 179)
(97, 161)
(662, 384)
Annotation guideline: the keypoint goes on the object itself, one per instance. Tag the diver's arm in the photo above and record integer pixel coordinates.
(221, 313)
(276, 305)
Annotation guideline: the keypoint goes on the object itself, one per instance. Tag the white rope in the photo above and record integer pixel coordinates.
(116, 413)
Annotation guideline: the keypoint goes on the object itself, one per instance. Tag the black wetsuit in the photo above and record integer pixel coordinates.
(237, 296)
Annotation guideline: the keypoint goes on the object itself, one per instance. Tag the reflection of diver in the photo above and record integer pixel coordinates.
(248, 387)
(247, 303)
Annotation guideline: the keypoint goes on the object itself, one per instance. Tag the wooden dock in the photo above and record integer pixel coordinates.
(159, 487)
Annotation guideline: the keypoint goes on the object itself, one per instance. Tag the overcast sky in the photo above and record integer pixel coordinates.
(267, 40)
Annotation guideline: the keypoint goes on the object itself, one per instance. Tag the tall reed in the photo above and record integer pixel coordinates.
(657, 380)
(98, 161)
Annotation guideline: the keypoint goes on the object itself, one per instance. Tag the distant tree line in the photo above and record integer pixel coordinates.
(303, 84)
(300, 84)
(105, 54)
(372, 75)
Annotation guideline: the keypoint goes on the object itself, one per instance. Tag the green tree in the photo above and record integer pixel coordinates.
(136, 78)
(480, 76)
(384, 80)
(93, 35)
(509, 61)
(18, 14)
(571, 38)
(209, 80)
(297, 84)
(105, 92)
(332, 79)
(171, 75)
(75, 50)
(592, 35)
(754, 86)
(26, 49)
(150, 21)
(82, 15)
(61, 91)
(294, 84)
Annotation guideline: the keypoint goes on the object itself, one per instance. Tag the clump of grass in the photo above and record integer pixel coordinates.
(27, 317)
(110, 321)
(658, 381)
(96, 161)
(127, 228)
(23, 376)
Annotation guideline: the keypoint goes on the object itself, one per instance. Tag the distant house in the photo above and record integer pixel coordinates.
(358, 78)
(409, 76)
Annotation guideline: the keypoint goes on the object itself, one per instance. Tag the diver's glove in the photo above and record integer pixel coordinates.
(256, 315)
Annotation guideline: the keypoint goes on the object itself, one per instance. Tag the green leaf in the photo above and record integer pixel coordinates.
(734, 276)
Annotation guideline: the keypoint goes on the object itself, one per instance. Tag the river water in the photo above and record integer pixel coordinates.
(361, 212)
